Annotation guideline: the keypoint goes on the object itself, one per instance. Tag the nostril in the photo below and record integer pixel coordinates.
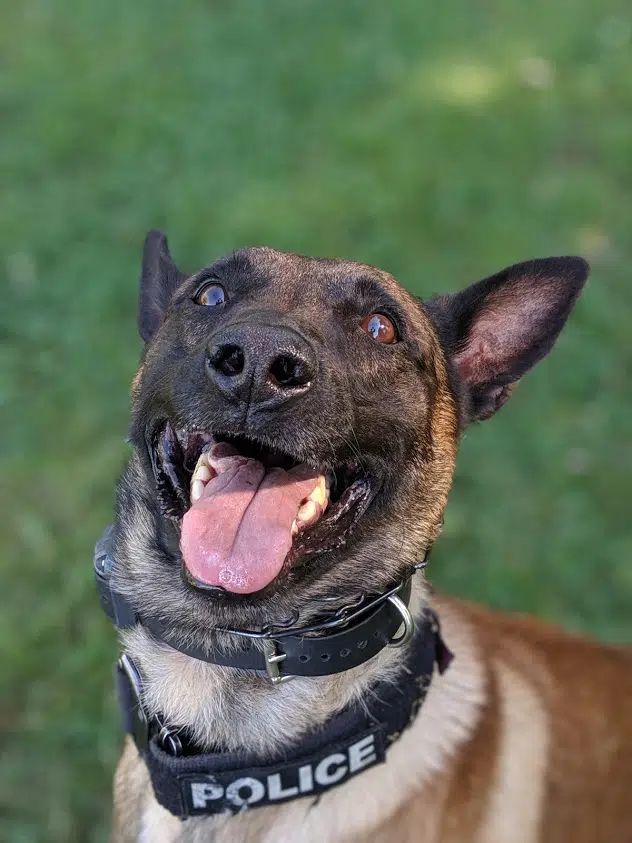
(228, 360)
(289, 371)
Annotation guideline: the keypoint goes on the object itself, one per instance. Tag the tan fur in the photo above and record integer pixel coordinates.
(523, 740)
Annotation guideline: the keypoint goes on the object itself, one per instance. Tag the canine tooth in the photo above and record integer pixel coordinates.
(309, 513)
(320, 495)
(311, 510)
(201, 461)
(197, 489)
(202, 472)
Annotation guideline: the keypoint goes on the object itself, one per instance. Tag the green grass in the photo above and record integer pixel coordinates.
(440, 141)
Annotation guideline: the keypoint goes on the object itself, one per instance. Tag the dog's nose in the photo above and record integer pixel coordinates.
(257, 363)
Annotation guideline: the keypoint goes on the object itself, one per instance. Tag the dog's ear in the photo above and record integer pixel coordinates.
(497, 329)
(159, 278)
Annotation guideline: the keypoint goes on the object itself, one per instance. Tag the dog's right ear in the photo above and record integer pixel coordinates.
(159, 278)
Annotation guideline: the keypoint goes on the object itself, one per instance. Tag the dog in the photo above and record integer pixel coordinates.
(294, 427)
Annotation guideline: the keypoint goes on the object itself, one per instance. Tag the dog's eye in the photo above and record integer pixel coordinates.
(211, 295)
(380, 328)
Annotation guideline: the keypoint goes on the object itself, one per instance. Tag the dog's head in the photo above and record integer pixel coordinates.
(295, 423)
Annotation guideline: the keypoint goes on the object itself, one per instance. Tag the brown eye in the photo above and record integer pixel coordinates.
(211, 295)
(379, 327)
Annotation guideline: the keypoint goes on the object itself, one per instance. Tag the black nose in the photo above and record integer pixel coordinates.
(260, 363)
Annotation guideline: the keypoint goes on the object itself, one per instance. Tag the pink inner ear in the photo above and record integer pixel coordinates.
(475, 361)
(511, 321)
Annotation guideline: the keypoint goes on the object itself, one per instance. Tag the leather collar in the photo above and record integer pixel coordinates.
(346, 639)
(188, 781)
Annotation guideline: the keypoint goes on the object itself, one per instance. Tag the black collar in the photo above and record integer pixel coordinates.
(189, 782)
(347, 638)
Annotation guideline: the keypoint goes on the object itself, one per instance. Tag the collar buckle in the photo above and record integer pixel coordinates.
(273, 658)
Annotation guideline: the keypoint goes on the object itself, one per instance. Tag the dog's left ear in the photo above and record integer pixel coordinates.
(159, 278)
(496, 330)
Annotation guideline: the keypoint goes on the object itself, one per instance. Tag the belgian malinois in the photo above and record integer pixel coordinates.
(295, 424)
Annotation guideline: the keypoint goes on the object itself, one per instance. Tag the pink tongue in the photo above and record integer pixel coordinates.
(238, 533)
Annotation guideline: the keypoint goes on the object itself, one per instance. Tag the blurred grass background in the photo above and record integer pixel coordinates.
(439, 141)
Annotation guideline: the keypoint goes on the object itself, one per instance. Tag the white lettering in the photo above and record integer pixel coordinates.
(362, 753)
(202, 792)
(305, 779)
(257, 791)
(275, 788)
(322, 772)
(247, 790)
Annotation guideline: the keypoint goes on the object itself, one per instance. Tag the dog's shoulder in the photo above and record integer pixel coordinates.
(554, 658)
(556, 719)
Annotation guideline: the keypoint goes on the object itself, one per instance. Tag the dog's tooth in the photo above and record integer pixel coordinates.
(202, 460)
(197, 490)
(311, 510)
(202, 472)
(309, 513)
(320, 494)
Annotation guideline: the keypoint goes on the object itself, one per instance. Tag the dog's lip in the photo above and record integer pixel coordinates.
(174, 452)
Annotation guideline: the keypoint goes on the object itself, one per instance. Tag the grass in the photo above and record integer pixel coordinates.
(440, 141)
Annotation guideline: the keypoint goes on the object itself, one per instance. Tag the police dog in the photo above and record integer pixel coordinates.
(274, 391)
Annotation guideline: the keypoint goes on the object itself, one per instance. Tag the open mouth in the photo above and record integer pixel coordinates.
(247, 511)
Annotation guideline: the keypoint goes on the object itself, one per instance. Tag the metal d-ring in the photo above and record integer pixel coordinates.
(408, 622)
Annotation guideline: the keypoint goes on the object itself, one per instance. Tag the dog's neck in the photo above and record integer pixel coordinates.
(232, 709)
(216, 702)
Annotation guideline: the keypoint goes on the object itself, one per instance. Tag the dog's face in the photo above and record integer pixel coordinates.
(295, 423)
